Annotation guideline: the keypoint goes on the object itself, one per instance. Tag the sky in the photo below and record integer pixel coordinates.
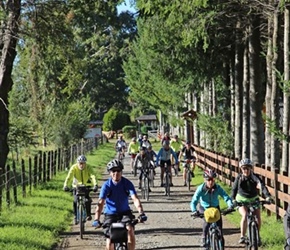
(126, 6)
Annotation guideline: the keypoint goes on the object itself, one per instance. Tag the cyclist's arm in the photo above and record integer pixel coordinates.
(136, 161)
(69, 177)
(158, 156)
(195, 199)
(174, 155)
(235, 187)
(225, 196)
(262, 186)
(99, 209)
(137, 203)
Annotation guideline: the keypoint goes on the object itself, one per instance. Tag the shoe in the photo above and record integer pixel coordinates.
(150, 190)
(242, 240)
(161, 185)
(76, 221)
(89, 218)
(139, 187)
(184, 184)
(203, 242)
(171, 185)
(259, 242)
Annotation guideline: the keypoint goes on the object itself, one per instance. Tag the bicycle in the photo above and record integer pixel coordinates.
(214, 239)
(252, 241)
(189, 173)
(151, 173)
(81, 191)
(167, 182)
(145, 183)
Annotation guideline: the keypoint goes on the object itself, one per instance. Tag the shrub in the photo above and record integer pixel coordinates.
(115, 119)
(129, 131)
(145, 128)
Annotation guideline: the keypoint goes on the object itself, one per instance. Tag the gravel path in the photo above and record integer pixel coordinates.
(169, 224)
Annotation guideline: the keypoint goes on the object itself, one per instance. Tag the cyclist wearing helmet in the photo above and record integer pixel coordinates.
(166, 137)
(145, 143)
(114, 193)
(120, 145)
(207, 195)
(164, 154)
(188, 153)
(133, 151)
(81, 173)
(143, 160)
(245, 190)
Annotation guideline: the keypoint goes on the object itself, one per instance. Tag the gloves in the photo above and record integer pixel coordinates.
(66, 189)
(195, 213)
(142, 217)
(95, 189)
(269, 199)
(234, 203)
(96, 223)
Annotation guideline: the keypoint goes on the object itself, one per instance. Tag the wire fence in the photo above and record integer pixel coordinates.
(39, 169)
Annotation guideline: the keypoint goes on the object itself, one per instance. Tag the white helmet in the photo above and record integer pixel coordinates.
(81, 158)
(246, 162)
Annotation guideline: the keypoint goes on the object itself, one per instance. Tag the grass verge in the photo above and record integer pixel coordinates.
(35, 222)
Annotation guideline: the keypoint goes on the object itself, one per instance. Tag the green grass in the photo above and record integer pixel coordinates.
(272, 232)
(36, 221)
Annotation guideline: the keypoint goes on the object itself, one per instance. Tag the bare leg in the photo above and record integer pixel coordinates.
(131, 238)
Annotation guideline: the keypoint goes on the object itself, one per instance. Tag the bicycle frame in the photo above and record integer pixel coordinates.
(81, 207)
(187, 167)
(145, 183)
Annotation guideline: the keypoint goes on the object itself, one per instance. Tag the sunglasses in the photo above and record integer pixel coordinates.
(245, 168)
(116, 170)
(210, 179)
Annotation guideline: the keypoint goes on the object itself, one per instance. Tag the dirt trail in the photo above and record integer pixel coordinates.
(169, 224)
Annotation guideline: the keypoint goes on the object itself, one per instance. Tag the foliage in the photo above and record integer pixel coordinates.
(115, 119)
(129, 131)
(145, 129)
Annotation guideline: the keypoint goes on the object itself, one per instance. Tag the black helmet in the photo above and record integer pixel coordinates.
(114, 164)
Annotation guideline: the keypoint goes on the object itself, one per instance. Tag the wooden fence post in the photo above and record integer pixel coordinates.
(48, 166)
(59, 168)
(15, 182)
(30, 174)
(44, 166)
(39, 166)
(7, 185)
(23, 178)
(35, 172)
(276, 188)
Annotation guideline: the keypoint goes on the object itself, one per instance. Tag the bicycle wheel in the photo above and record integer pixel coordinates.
(120, 246)
(254, 234)
(151, 178)
(188, 178)
(146, 188)
(143, 189)
(81, 220)
(167, 184)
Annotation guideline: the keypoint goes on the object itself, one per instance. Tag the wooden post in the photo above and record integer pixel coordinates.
(48, 166)
(35, 172)
(44, 166)
(23, 178)
(7, 185)
(30, 174)
(39, 166)
(276, 188)
(15, 182)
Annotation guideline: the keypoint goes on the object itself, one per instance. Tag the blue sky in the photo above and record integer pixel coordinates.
(125, 7)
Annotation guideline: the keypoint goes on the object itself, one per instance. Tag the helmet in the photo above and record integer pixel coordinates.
(81, 158)
(245, 162)
(165, 143)
(134, 139)
(209, 174)
(175, 136)
(114, 164)
(188, 143)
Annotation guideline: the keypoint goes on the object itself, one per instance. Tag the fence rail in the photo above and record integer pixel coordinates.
(228, 169)
(39, 169)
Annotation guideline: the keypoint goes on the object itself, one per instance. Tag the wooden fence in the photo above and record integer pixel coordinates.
(39, 169)
(228, 169)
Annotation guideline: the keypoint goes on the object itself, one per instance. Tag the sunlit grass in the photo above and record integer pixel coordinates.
(36, 221)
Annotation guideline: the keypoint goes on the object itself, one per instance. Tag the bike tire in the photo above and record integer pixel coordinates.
(146, 188)
(188, 179)
(120, 246)
(167, 184)
(151, 178)
(254, 236)
(81, 221)
(214, 241)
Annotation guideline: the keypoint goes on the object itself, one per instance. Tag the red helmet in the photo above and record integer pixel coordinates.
(209, 174)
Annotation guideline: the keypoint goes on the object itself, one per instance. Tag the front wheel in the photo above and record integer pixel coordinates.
(146, 188)
(188, 178)
(151, 177)
(81, 220)
(167, 184)
(254, 236)
(120, 246)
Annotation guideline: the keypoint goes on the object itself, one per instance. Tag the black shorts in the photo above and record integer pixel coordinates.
(125, 217)
(162, 163)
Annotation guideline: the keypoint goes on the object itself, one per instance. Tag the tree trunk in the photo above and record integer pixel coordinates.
(257, 126)
(285, 147)
(8, 53)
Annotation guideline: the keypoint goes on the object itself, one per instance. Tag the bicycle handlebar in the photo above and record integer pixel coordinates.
(252, 203)
(223, 212)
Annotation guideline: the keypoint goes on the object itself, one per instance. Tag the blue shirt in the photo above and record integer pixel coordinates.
(209, 197)
(164, 155)
(116, 195)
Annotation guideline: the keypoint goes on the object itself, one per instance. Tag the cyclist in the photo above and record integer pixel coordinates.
(133, 149)
(81, 173)
(207, 195)
(286, 223)
(176, 145)
(121, 145)
(166, 137)
(114, 193)
(145, 142)
(245, 190)
(188, 153)
(144, 160)
(164, 154)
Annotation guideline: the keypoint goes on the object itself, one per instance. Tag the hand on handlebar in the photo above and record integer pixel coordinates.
(142, 217)
(66, 189)
(195, 213)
